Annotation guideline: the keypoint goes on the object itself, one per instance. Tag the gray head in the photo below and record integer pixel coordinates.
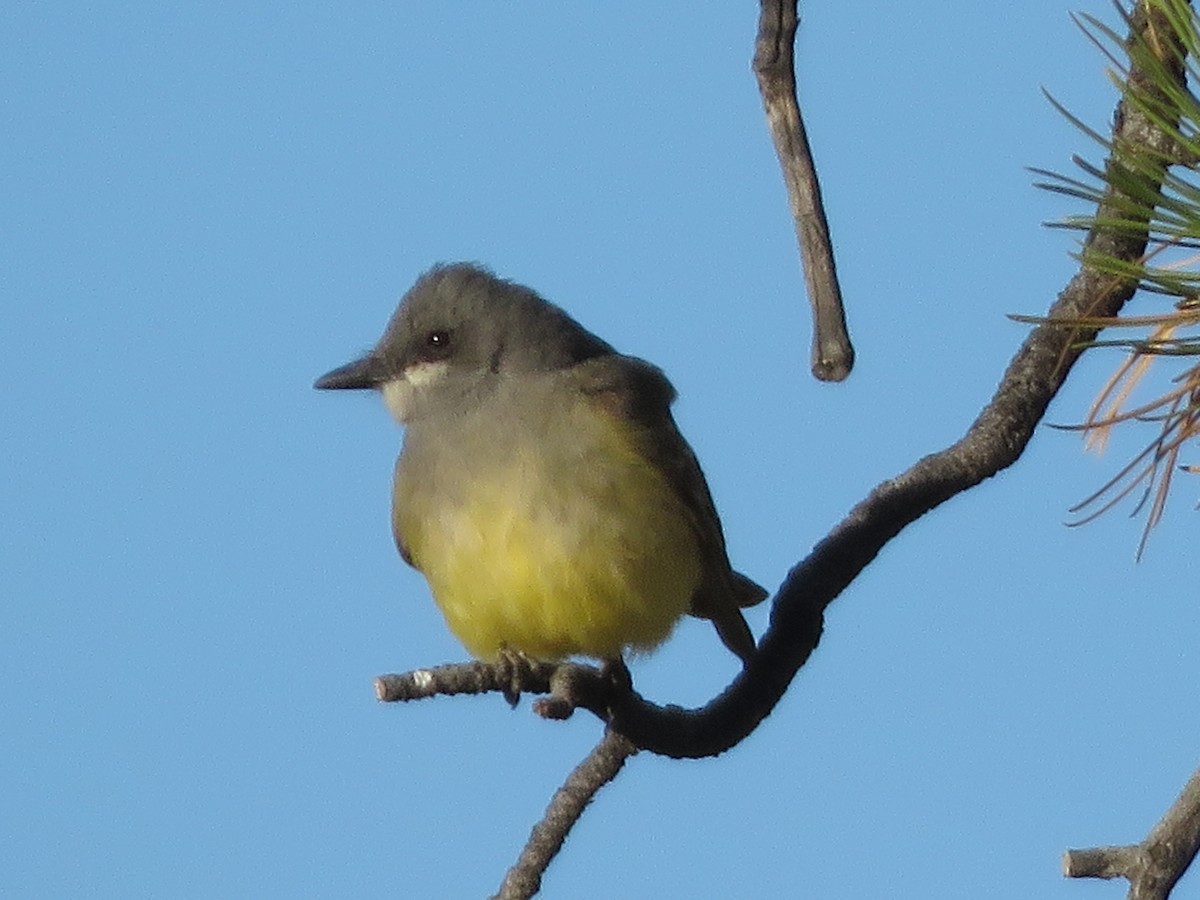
(458, 330)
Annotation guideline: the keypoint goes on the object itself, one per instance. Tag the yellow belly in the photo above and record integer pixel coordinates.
(588, 553)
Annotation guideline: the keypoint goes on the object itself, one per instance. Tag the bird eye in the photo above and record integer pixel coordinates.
(437, 343)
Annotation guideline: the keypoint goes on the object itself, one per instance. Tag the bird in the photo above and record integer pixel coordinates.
(543, 488)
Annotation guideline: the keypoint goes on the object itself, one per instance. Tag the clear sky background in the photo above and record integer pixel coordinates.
(205, 206)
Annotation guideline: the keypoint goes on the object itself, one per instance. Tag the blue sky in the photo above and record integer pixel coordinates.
(202, 208)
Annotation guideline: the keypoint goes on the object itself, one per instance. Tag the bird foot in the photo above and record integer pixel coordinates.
(513, 669)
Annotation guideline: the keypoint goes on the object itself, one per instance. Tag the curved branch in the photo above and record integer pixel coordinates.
(993, 442)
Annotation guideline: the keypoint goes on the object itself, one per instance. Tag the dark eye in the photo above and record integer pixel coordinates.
(437, 344)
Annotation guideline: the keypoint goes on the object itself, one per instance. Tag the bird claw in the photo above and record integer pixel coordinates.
(513, 669)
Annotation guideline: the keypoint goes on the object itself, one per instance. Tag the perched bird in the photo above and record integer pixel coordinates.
(543, 489)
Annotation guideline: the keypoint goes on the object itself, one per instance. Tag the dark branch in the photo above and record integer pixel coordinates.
(597, 769)
(1157, 863)
(992, 443)
(832, 353)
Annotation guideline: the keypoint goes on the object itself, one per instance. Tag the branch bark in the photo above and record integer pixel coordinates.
(1155, 865)
(774, 67)
(597, 769)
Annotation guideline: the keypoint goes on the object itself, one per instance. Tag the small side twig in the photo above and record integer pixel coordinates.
(832, 353)
(1157, 863)
(456, 678)
(598, 768)
(568, 686)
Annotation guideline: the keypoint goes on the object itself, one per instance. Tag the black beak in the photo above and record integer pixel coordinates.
(363, 374)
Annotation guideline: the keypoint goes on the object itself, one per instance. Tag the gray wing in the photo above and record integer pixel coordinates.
(635, 390)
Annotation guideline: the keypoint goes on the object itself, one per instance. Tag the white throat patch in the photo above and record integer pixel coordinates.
(398, 393)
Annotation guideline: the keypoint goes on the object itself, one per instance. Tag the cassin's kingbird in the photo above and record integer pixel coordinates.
(543, 489)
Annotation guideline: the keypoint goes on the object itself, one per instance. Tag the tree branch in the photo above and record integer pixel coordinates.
(1157, 863)
(774, 67)
(597, 769)
(994, 441)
